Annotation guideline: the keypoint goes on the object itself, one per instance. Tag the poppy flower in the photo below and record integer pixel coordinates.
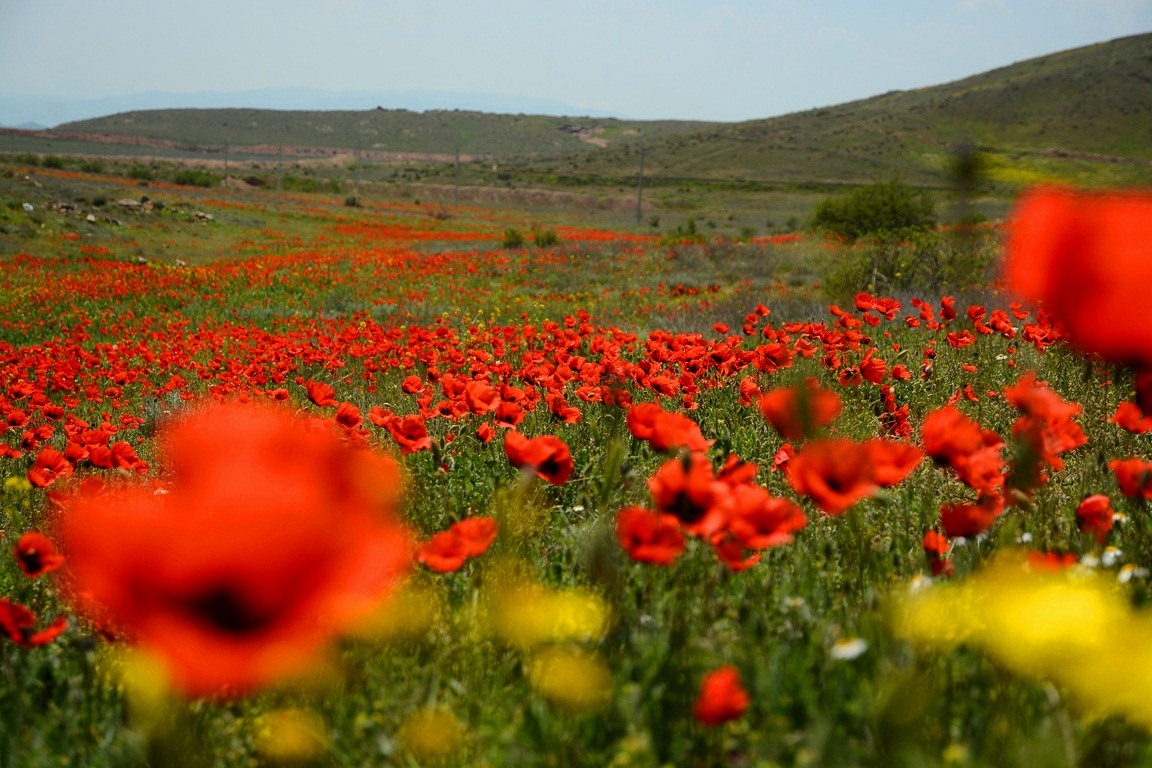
(18, 624)
(49, 466)
(410, 433)
(834, 473)
(548, 456)
(274, 536)
(936, 549)
(477, 534)
(320, 393)
(796, 412)
(760, 520)
(36, 554)
(1129, 416)
(1134, 476)
(1087, 258)
(722, 697)
(892, 460)
(649, 537)
(688, 489)
(445, 552)
(1094, 516)
(481, 397)
(967, 519)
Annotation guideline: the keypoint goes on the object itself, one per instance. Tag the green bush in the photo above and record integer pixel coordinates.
(545, 238)
(883, 207)
(513, 238)
(193, 178)
(918, 262)
(53, 161)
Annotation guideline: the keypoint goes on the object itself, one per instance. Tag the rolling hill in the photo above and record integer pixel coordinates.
(1082, 115)
(1086, 111)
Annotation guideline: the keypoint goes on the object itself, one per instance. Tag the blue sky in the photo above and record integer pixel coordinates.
(733, 60)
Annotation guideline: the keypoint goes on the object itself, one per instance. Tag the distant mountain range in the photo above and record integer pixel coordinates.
(19, 110)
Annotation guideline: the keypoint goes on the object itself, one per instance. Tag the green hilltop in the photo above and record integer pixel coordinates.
(1081, 116)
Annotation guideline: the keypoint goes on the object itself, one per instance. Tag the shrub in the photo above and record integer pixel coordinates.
(883, 207)
(53, 161)
(193, 178)
(919, 262)
(545, 238)
(513, 238)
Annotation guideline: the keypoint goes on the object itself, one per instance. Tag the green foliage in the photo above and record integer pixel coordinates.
(52, 161)
(882, 207)
(684, 232)
(513, 238)
(191, 177)
(545, 238)
(926, 262)
(141, 173)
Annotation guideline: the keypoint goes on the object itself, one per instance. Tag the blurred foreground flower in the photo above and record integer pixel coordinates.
(1068, 625)
(275, 536)
(1088, 258)
(722, 697)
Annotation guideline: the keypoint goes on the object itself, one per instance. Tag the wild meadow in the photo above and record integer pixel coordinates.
(287, 482)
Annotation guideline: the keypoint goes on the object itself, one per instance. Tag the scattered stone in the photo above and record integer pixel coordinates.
(91, 219)
(28, 208)
(129, 203)
(201, 216)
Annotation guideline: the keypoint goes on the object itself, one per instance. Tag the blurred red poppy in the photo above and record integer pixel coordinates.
(36, 554)
(1094, 517)
(722, 697)
(1088, 258)
(649, 537)
(834, 473)
(548, 456)
(18, 623)
(796, 412)
(274, 536)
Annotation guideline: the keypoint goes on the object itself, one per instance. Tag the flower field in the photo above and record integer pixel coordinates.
(296, 484)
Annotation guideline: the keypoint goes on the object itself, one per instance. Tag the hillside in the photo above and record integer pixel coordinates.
(1086, 112)
(434, 132)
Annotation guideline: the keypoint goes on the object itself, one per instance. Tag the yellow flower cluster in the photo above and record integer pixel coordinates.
(1071, 626)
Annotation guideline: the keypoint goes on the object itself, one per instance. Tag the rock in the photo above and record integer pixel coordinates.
(90, 219)
(129, 203)
(28, 208)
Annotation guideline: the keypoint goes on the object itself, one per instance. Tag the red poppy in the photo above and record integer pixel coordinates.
(1094, 516)
(1129, 416)
(445, 552)
(936, 548)
(967, 519)
(320, 393)
(481, 397)
(835, 474)
(760, 520)
(18, 623)
(477, 533)
(274, 536)
(547, 455)
(1134, 477)
(410, 433)
(36, 554)
(722, 697)
(892, 460)
(1087, 258)
(687, 488)
(796, 412)
(649, 537)
(50, 465)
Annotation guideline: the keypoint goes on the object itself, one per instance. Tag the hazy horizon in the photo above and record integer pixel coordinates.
(717, 61)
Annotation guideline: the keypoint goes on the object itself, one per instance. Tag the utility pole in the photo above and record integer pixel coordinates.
(640, 185)
(456, 189)
(356, 175)
(279, 165)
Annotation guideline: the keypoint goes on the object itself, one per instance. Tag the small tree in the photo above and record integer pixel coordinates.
(884, 207)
